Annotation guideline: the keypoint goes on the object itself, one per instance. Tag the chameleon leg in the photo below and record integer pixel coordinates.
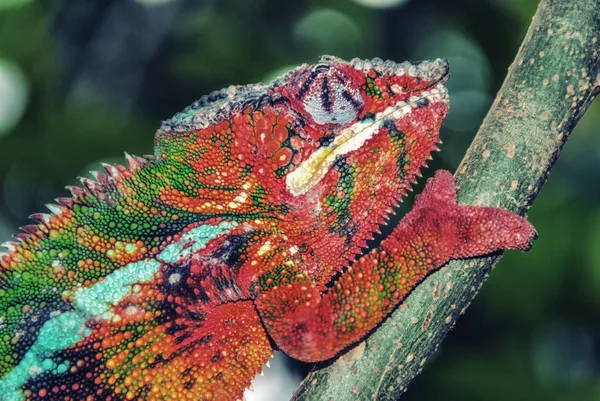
(312, 325)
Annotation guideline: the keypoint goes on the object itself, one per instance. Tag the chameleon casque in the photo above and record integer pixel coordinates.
(175, 278)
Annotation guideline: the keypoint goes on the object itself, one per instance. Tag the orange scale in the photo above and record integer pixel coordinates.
(256, 115)
(280, 133)
(238, 119)
(263, 123)
(224, 126)
(271, 147)
(282, 120)
(247, 115)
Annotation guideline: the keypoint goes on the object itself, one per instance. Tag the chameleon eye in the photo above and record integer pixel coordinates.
(326, 94)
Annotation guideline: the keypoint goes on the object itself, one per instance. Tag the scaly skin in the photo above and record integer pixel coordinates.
(165, 280)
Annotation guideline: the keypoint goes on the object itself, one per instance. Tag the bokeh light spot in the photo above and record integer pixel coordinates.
(155, 2)
(564, 354)
(6, 4)
(21, 187)
(278, 383)
(270, 77)
(469, 66)
(470, 75)
(467, 110)
(328, 31)
(522, 8)
(381, 3)
(6, 230)
(594, 252)
(14, 92)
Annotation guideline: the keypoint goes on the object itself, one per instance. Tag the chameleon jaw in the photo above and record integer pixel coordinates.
(311, 171)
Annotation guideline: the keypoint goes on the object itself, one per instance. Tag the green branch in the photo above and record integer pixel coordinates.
(549, 86)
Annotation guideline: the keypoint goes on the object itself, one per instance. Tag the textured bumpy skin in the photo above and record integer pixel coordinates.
(168, 279)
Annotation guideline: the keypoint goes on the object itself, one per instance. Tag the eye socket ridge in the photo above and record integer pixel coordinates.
(319, 68)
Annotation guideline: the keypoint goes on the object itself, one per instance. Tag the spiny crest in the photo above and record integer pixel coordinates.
(215, 108)
(99, 187)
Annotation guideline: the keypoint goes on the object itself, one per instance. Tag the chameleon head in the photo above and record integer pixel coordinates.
(347, 105)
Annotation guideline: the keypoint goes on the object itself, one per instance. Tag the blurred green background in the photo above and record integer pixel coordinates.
(83, 81)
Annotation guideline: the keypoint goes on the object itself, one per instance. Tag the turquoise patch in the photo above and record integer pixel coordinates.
(194, 240)
(98, 299)
(172, 253)
(56, 334)
(67, 329)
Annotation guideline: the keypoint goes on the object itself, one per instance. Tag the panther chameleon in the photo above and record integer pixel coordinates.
(176, 277)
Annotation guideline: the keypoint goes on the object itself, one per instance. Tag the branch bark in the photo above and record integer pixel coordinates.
(549, 86)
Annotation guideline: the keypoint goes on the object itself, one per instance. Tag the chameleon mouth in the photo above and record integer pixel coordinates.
(312, 170)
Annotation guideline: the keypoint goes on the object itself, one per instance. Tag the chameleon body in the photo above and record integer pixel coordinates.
(175, 277)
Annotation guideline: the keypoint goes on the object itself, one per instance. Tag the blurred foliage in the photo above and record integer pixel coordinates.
(81, 82)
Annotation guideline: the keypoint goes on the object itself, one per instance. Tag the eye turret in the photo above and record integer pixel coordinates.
(326, 94)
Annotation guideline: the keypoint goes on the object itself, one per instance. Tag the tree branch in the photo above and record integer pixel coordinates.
(549, 86)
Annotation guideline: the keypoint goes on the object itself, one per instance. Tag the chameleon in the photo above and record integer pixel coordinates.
(177, 276)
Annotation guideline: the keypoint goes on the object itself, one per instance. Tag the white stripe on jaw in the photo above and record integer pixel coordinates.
(311, 171)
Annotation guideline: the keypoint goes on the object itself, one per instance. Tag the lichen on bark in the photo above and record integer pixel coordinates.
(550, 84)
